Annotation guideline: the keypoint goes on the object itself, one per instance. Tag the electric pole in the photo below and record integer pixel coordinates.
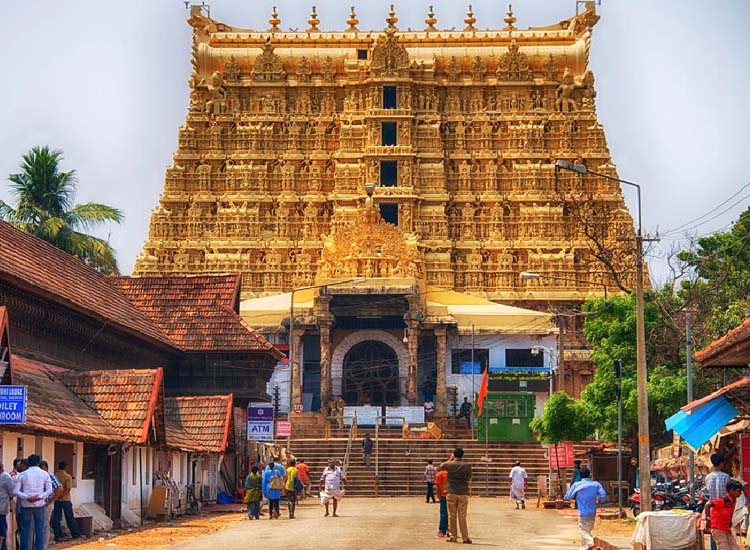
(689, 362)
(644, 446)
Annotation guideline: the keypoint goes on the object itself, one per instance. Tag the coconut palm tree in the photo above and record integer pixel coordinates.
(45, 208)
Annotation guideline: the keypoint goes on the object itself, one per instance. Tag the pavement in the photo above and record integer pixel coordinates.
(404, 522)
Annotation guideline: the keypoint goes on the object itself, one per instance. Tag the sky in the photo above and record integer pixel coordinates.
(106, 82)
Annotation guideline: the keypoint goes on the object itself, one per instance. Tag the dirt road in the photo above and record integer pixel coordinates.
(374, 524)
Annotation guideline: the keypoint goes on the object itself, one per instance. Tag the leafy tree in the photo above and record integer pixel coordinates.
(563, 419)
(720, 290)
(45, 208)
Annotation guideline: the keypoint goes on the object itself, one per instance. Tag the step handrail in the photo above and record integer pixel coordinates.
(352, 435)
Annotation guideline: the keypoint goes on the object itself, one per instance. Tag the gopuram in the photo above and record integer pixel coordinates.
(409, 176)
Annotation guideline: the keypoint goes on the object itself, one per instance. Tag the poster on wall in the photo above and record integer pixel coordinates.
(260, 421)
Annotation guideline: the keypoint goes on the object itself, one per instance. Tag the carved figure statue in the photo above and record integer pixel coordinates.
(565, 100)
(217, 95)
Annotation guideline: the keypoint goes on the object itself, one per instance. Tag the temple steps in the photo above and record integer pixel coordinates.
(401, 463)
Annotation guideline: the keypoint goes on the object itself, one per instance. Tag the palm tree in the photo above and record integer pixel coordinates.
(45, 208)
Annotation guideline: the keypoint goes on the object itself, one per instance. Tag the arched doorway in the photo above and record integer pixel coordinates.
(371, 374)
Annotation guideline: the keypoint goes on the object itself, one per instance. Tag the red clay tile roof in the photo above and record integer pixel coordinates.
(126, 399)
(721, 353)
(37, 266)
(198, 312)
(206, 420)
(54, 409)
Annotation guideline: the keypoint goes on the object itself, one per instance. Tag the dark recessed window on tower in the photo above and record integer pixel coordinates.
(362, 54)
(388, 133)
(388, 173)
(389, 213)
(389, 97)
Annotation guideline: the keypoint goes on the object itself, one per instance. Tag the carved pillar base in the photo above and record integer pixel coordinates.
(441, 405)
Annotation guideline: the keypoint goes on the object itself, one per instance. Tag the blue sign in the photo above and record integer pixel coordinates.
(260, 421)
(466, 367)
(13, 400)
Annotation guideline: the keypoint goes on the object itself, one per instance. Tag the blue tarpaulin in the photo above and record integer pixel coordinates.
(703, 422)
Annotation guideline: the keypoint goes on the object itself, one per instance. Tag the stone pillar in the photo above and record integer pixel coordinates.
(297, 370)
(413, 373)
(325, 362)
(441, 405)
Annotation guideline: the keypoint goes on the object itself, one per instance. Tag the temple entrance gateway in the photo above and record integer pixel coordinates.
(371, 375)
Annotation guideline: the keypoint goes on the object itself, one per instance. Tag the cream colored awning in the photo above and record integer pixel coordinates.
(441, 306)
(485, 315)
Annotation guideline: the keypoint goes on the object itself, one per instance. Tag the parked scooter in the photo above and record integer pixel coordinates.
(657, 502)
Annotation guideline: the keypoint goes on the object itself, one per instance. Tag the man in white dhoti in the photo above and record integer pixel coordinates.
(518, 485)
(331, 486)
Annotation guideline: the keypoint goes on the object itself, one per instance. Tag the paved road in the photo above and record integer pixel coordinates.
(374, 524)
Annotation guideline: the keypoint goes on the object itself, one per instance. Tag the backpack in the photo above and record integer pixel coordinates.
(298, 484)
(276, 482)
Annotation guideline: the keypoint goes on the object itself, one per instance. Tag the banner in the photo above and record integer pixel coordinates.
(563, 458)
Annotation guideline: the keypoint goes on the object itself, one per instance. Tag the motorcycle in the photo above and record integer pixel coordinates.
(658, 502)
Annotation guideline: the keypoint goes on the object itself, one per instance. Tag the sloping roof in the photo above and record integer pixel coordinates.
(198, 312)
(56, 410)
(37, 266)
(126, 399)
(205, 420)
(731, 350)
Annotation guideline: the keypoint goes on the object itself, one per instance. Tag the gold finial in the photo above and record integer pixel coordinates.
(470, 20)
(274, 21)
(430, 21)
(392, 19)
(313, 21)
(352, 21)
(509, 19)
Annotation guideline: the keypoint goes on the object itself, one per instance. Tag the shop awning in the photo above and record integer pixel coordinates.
(702, 423)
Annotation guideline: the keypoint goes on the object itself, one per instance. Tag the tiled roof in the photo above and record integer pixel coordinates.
(54, 409)
(198, 312)
(37, 266)
(126, 399)
(205, 421)
(721, 353)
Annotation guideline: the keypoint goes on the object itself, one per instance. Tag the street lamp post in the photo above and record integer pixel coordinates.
(644, 458)
(296, 371)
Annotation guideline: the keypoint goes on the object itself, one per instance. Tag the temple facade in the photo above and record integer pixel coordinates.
(417, 165)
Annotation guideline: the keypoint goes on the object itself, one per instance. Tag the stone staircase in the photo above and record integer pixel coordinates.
(401, 463)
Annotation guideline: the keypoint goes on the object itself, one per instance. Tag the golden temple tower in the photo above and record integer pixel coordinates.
(458, 131)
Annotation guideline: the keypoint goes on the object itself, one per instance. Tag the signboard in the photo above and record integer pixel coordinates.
(260, 421)
(366, 415)
(563, 458)
(13, 401)
(283, 428)
(413, 415)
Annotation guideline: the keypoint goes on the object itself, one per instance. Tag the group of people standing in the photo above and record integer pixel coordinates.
(39, 496)
(291, 482)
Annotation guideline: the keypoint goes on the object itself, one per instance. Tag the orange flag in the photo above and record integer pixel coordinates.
(483, 390)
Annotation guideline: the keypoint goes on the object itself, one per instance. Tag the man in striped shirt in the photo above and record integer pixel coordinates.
(716, 482)
(429, 477)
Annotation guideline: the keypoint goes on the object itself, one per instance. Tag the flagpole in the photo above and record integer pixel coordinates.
(473, 387)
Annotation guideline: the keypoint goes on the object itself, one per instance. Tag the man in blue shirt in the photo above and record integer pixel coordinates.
(586, 492)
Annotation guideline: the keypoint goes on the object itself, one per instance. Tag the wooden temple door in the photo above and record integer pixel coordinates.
(371, 375)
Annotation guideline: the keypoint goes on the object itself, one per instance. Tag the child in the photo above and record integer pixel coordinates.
(719, 517)
(441, 483)
(253, 493)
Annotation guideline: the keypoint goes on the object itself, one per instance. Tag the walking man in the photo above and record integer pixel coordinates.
(457, 498)
(32, 489)
(290, 487)
(253, 493)
(6, 495)
(367, 449)
(331, 486)
(518, 485)
(429, 478)
(303, 471)
(586, 492)
(63, 505)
